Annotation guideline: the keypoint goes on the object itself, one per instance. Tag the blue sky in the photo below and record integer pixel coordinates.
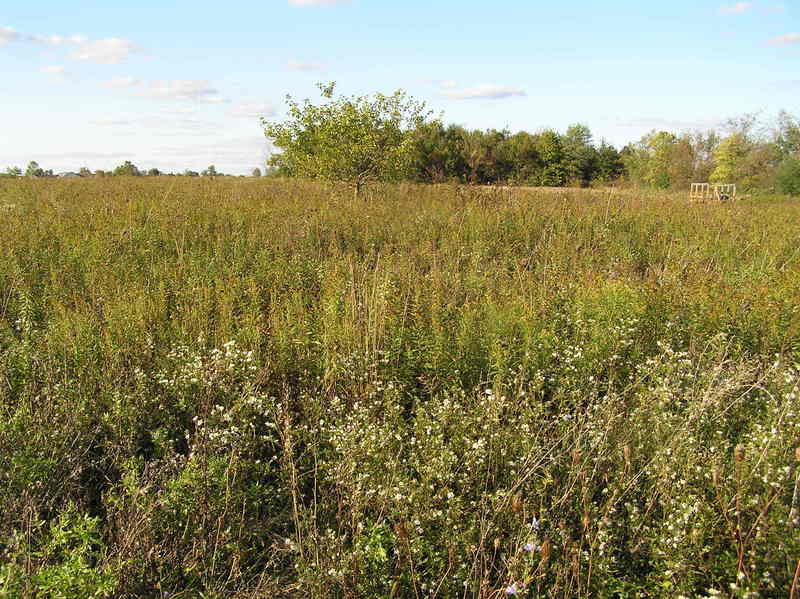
(181, 84)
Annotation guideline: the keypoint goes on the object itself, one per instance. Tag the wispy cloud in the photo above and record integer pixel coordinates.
(737, 8)
(122, 82)
(58, 40)
(484, 92)
(107, 51)
(318, 2)
(103, 51)
(183, 90)
(251, 110)
(785, 40)
(55, 73)
(8, 35)
(299, 65)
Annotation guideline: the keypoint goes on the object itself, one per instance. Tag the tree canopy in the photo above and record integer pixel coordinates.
(355, 139)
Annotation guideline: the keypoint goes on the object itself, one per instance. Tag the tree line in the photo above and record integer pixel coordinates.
(126, 169)
(545, 158)
(358, 139)
(753, 153)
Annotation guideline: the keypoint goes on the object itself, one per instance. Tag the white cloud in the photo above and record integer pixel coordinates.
(484, 92)
(7, 35)
(737, 8)
(448, 84)
(298, 65)
(55, 73)
(104, 51)
(58, 40)
(785, 40)
(318, 2)
(182, 89)
(122, 82)
(252, 110)
(107, 51)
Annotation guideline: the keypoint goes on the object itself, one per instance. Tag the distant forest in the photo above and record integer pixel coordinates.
(747, 151)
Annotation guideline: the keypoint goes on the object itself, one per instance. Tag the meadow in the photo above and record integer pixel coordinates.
(268, 388)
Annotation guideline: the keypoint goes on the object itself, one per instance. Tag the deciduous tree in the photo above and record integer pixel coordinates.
(356, 139)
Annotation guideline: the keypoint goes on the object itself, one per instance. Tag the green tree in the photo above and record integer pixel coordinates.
(609, 163)
(648, 161)
(13, 172)
(211, 171)
(439, 153)
(580, 156)
(128, 169)
(153, 172)
(475, 153)
(788, 175)
(787, 134)
(256, 172)
(551, 151)
(525, 159)
(356, 140)
(34, 170)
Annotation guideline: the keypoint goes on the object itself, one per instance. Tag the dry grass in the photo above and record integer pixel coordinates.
(237, 388)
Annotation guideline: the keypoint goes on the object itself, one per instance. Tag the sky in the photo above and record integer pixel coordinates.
(180, 84)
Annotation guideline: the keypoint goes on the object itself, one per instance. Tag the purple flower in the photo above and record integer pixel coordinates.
(529, 547)
(511, 590)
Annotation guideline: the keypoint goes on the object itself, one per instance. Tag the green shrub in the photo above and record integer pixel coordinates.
(69, 563)
(788, 176)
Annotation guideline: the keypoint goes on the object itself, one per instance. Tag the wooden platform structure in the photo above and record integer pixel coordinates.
(703, 192)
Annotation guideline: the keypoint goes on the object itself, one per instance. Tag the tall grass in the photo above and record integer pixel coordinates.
(252, 389)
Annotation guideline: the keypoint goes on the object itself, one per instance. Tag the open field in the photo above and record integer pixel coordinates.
(269, 389)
